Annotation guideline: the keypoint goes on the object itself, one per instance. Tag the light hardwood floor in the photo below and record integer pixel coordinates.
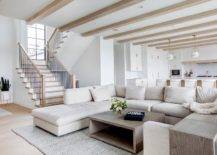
(10, 143)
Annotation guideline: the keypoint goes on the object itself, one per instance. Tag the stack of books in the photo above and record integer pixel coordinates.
(134, 116)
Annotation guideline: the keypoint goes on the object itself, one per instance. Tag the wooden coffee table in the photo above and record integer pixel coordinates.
(113, 129)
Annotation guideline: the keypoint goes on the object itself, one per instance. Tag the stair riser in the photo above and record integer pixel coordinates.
(54, 94)
(39, 62)
(52, 84)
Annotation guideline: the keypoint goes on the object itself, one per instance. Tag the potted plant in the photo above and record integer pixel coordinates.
(5, 84)
(118, 105)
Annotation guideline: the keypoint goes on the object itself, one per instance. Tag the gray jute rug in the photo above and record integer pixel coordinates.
(76, 143)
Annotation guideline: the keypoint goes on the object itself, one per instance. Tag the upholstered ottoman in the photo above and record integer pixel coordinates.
(156, 138)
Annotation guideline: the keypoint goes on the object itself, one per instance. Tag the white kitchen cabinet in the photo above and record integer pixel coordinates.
(134, 58)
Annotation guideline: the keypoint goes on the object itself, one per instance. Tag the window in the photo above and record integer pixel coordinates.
(36, 41)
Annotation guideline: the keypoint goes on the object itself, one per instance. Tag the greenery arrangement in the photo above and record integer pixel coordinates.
(118, 105)
(4, 84)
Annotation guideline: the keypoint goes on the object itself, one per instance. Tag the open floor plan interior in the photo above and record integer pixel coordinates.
(111, 77)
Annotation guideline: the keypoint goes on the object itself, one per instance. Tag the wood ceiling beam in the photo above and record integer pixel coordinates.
(155, 13)
(199, 45)
(187, 28)
(177, 36)
(183, 40)
(166, 23)
(187, 44)
(47, 10)
(100, 13)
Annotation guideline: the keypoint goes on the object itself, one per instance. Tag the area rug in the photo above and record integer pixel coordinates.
(4, 113)
(76, 143)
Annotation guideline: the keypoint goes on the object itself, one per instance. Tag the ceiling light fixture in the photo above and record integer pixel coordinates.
(170, 55)
(195, 53)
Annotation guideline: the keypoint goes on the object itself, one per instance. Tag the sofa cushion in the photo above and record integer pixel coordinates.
(78, 95)
(100, 94)
(179, 95)
(135, 93)
(154, 93)
(142, 104)
(171, 109)
(206, 95)
(65, 114)
(120, 91)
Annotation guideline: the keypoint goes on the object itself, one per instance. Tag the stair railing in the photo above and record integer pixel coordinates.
(32, 74)
(67, 79)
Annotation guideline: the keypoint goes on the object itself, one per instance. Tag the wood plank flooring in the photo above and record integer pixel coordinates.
(10, 143)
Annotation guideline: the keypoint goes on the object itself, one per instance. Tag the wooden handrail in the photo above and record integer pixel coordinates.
(30, 60)
(52, 35)
(58, 61)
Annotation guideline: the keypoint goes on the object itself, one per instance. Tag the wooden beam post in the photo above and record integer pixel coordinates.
(100, 13)
(47, 10)
(155, 13)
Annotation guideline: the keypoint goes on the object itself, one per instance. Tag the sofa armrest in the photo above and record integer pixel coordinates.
(156, 138)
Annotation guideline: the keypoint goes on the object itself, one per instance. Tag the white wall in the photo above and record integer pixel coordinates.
(73, 48)
(87, 67)
(107, 61)
(119, 64)
(7, 48)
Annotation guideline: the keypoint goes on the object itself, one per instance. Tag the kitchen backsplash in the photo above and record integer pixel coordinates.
(209, 69)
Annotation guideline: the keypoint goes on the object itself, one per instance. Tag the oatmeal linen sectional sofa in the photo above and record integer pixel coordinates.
(80, 103)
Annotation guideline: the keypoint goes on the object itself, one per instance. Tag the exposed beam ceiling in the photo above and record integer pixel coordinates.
(177, 36)
(187, 44)
(182, 47)
(163, 11)
(100, 13)
(183, 40)
(47, 10)
(167, 23)
(187, 28)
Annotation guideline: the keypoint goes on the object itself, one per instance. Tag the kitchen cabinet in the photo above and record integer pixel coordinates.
(134, 58)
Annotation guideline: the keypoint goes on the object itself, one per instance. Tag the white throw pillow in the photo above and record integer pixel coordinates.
(179, 95)
(100, 94)
(77, 95)
(206, 95)
(120, 91)
(135, 93)
(154, 93)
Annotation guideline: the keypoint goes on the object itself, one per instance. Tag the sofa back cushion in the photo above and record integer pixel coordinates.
(120, 91)
(206, 95)
(135, 93)
(154, 93)
(179, 95)
(101, 93)
(77, 95)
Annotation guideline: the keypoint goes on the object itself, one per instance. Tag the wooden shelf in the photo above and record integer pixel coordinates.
(201, 61)
(114, 137)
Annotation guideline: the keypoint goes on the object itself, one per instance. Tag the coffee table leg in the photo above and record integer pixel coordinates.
(138, 139)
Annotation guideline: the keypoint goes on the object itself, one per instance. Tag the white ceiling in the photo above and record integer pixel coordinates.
(23, 9)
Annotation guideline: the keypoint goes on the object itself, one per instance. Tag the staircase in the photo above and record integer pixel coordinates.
(45, 80)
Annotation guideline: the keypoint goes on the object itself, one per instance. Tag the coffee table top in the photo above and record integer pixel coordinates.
(118, 120)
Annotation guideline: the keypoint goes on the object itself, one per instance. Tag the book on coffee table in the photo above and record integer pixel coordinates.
(134, 116)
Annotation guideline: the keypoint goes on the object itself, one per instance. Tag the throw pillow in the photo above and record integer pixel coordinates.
(78, 95)
(135, 93)
(120, 91)
(206, 95)
(179, 95)
(154, 93)
(100, 94)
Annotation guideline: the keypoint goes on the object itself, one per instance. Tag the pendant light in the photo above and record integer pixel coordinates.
(195, 53)
(170, 55)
